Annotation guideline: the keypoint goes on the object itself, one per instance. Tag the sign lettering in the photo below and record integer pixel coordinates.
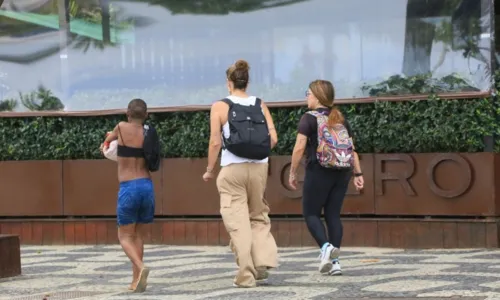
(403, 177)
(405, 169)
(461, 187)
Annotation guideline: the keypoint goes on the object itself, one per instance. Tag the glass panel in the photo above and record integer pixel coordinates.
(29, 56)
(174, 53)
(496, 55)
(97, 71)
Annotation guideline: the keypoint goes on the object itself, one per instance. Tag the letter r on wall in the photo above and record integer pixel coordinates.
(402, 176)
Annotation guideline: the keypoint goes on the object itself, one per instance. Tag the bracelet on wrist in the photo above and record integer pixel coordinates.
(358, 174)
(209, 170)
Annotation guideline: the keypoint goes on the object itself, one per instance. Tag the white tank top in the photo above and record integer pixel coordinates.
(227, 157)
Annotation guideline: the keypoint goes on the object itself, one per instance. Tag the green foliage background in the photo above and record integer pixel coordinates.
(432, 125)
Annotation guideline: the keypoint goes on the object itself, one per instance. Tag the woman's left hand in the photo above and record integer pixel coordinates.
(359, 182)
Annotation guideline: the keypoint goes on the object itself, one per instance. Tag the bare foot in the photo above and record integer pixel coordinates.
(135, 280)
(135, 273)
(143, 281)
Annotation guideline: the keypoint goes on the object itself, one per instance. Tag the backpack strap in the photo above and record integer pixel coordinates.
(314, 113)
(320, 118)
(258, 102)
(120, 133)
(228, 102)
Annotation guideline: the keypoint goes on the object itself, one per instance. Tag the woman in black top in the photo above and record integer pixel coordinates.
(324, 188)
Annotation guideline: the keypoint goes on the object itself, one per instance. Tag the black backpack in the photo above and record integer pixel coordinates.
(249, 136)
(151, 148)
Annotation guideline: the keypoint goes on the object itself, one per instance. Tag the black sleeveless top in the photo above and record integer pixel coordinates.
(126, 151)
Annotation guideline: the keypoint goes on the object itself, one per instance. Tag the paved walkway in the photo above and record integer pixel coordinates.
(103, 272)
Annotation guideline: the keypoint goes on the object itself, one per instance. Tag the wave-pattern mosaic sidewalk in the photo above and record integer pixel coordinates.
(103, 272)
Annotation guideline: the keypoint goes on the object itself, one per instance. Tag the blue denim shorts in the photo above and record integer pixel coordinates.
(136, 202)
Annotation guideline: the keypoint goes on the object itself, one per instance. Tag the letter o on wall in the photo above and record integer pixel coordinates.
(462, 186)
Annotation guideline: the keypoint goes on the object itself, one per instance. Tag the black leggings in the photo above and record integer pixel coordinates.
(324, 188)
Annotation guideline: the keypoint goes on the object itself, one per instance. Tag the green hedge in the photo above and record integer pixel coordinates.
(432, 125)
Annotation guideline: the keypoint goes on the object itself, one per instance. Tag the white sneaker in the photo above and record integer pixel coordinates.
(326, 257)
(336, 270)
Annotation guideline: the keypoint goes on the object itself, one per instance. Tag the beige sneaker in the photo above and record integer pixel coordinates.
(241, 286)
(262, 274)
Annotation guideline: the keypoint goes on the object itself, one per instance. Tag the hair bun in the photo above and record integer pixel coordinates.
(242, 65)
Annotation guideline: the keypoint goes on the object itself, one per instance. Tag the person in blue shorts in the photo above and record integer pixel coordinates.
(136, 198)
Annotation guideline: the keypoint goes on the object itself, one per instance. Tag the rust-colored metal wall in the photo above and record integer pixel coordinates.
(369, 232)
(448, 184)
(90, 188)
(31, 188)
(435, 184)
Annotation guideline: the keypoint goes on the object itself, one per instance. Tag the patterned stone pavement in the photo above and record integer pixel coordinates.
(103, 272)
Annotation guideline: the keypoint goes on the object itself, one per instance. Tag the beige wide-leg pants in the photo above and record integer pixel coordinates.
(245, 213)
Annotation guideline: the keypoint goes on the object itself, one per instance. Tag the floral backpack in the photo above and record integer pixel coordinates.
(335, 146)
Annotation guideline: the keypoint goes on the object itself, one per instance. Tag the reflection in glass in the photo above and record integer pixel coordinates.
(29, 43)
(496, 55)
(96, 55)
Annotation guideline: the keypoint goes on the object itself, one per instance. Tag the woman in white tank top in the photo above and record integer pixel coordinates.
(227, 157)
(241, 184)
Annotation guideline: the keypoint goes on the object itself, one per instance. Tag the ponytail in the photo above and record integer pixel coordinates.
(335, 117)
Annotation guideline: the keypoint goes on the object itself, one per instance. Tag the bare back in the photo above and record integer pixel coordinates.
(129, 168)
